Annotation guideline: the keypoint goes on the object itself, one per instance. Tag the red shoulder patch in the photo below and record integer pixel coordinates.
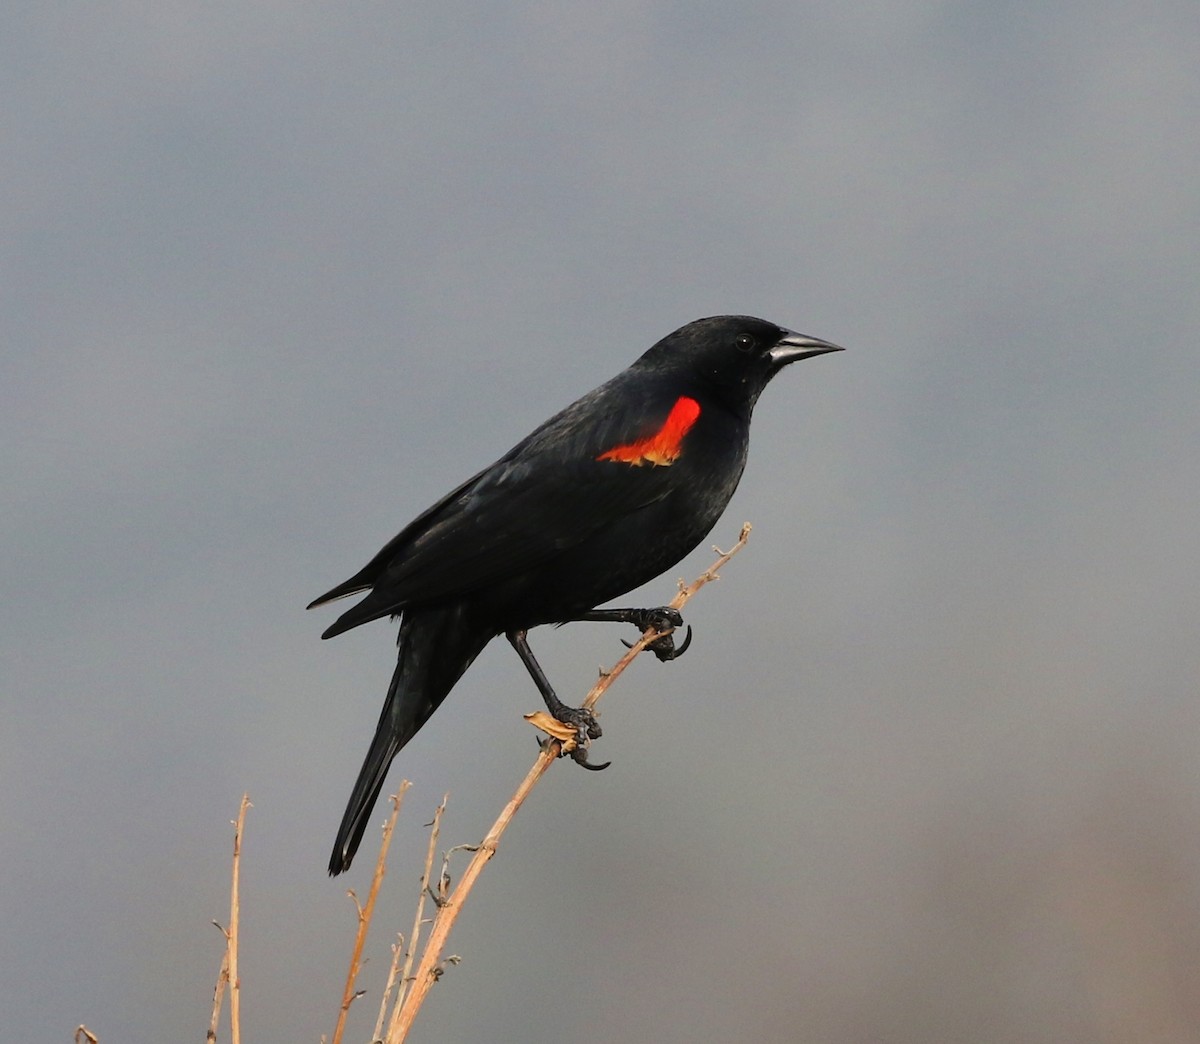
(664, 446)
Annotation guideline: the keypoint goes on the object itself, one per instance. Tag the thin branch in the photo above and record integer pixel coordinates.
(364, 913)
(418, 920)
(219, 989)
(431, 965)
(227, 975)
(393, 973)
(235, 906)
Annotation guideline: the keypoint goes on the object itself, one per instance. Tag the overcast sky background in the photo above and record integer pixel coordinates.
(277, 276)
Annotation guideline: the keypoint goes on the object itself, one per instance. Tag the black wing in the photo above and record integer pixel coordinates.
(547, 494)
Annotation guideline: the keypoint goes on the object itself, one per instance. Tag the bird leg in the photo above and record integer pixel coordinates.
(662, 618)
(581, 719)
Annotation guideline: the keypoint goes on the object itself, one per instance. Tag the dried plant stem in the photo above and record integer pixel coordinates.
(219, 989)
(418, 919)
(235, 909)
(429, 968)
(365, 912)
(228, 974)
(393, 973)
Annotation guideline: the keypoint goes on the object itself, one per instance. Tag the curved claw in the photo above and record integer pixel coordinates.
(686, 642)
(664, 647)
(580, 756)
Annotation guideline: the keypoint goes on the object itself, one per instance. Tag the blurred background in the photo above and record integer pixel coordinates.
(278, 276)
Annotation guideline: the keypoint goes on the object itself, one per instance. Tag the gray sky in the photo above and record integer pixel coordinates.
(277, 277)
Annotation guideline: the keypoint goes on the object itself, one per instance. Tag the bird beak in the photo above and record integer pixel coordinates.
(793, 346)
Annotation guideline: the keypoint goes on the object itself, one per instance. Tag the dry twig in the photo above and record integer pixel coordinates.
(228, 973)
(431, 965)
(349, 994)
(418, 920)
(219, 989)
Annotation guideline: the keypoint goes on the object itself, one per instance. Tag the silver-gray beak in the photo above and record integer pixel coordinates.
(793, 346)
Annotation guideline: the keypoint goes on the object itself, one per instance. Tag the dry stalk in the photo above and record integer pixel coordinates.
(235, 911)
(228, 974)
(364, 913)
(393, 972)
(418, 921)
(219, 989)
(430, 967)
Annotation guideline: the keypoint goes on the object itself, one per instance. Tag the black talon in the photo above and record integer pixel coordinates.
(580, 756)
(686, 642)
(664, 646)
(663, 618)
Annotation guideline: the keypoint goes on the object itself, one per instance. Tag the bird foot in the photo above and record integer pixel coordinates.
(587, 728)
(575, 734)
(582, 720)
(662, 618)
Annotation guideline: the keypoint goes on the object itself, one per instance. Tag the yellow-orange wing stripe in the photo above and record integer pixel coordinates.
(665, 445)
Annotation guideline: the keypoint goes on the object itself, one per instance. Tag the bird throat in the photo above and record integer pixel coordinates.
(663, 447)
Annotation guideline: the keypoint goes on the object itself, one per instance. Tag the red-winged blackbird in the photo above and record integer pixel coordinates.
(604, 496)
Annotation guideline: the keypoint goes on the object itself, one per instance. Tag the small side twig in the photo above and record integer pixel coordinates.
(431, 964)
(350, 994)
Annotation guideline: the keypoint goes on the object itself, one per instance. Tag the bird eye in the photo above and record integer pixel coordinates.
(743, 342)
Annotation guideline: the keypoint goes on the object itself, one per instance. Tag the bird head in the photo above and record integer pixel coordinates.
(733, 355)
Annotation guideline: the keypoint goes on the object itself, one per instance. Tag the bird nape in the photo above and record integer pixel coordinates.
(607, 494)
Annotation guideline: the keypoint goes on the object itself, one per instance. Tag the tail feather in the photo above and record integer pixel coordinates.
(435, 647)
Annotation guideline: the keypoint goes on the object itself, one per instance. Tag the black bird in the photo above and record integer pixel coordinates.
(604, 496)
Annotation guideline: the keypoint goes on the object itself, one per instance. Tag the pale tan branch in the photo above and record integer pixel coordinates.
(398, 949)
(418, 920)
(235, 914)
(349, 994)
(432, 963)
(219, 989)
(228, 973)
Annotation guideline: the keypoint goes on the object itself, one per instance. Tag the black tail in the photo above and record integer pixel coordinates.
(435, 647)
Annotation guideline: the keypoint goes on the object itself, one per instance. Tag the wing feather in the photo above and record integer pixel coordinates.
(549, 493)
